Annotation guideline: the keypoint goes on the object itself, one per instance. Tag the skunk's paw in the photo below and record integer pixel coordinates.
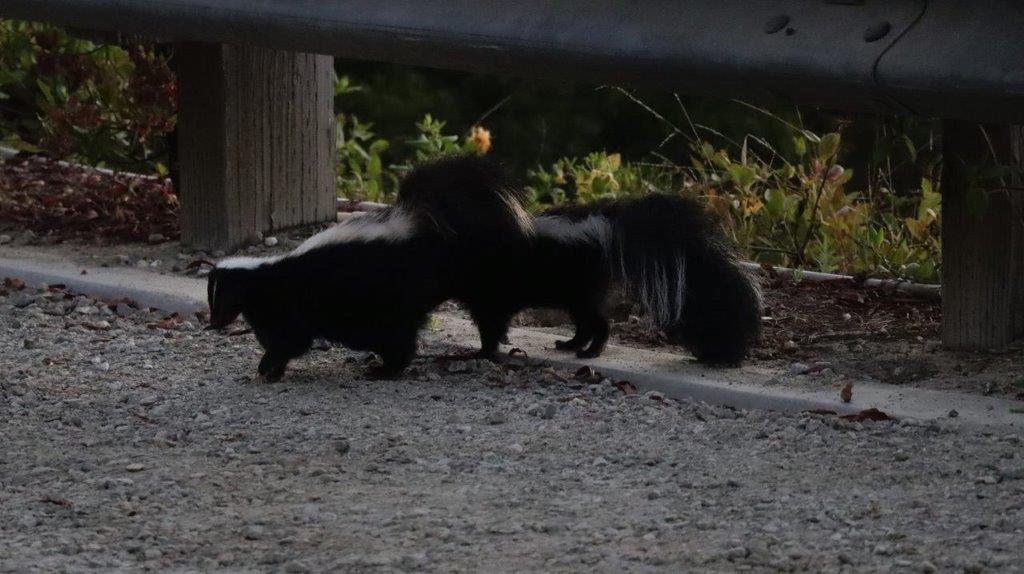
(569, 345)
(271, 377)
(588, 353)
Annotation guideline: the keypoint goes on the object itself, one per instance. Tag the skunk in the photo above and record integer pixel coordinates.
(370, 282)
(665, 251)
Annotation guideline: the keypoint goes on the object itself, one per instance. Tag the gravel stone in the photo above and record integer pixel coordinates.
(128, 449)
(799, 368)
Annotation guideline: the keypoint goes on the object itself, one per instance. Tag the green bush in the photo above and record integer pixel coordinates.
(360, 168)
(783, 195)
(795, 213)
(97, 104)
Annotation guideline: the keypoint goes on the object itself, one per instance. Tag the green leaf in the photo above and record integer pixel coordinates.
(46, 91)
(741, 175)
(930, 201)
(775, 203)
(829, 146)
(800, 145)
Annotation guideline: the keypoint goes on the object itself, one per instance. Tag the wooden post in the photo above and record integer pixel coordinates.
(982, 237)
(255, 142)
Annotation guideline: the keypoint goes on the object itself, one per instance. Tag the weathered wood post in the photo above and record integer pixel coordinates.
(982, 241)
(255, 142)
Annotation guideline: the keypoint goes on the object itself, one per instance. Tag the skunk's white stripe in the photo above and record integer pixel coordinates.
(390, 225)
(523, 219)
(246, 262)
(593, 229)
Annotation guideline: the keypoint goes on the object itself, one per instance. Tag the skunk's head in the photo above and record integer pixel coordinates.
(226, 294)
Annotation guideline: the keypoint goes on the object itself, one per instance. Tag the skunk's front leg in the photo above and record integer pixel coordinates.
(271, 368)
(280, 347)
(396, 353)
(493, 326)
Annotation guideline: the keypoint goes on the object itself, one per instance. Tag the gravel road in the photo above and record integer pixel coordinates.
(131, 443)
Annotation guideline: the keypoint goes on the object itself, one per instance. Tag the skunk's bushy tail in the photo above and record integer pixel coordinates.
(467, 196)
(673, 260)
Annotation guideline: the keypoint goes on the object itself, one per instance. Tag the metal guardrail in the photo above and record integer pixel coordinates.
(959, 59)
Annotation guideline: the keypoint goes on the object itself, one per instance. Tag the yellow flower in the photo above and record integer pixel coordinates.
(481, 138)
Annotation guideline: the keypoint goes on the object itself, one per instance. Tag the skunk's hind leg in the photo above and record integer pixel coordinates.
(271, 368)
(493, 325)
(597, 327)
(580, 338)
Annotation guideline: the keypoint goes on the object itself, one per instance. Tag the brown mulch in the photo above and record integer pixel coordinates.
(63, 201)
(800, 317)
(808, 314)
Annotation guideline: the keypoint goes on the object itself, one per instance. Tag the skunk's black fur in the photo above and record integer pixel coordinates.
(666, 252)
(370, 283)
(458, 231)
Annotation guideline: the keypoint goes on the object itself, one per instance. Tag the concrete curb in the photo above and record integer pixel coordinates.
(167, 292)
(751, 387)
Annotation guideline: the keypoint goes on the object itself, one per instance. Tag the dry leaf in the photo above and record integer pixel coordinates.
(847, 393)
(871, 414)
(626, 387)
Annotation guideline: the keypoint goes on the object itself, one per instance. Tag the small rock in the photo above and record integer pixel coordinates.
(124, 310)
(29, 344)
(270, 241)
(87, 310)
(135, 467)
(496, 418)
(296, 568)
(22, 300)
(150, 400)
(152, 554)
(27, 237)
(342, 446)
(790, 345)
(737, 553)
(798, 368)
(929, 568)
(254, 532)
(953, 414)
(5, 239)
(156, 238)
